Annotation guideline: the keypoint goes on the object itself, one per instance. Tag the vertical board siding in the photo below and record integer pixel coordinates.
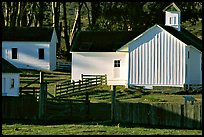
(155, 59)
(167, 59)
(139, 65)
(134, 67)
(153, 63)
(162, 57)
(149, 62)
(158, 61)
(142, 62)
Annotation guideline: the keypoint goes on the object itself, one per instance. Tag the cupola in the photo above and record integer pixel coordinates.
(173, 16)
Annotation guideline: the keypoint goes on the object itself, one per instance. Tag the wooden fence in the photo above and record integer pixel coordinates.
(160, 114)
(88, 82)
(63, 65)
(30, 90)
(21, 107)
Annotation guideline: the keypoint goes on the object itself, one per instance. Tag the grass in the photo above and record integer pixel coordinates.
(91, 128)
(103, 93)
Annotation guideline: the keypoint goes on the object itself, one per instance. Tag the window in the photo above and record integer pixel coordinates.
(188, 55)
(175, 20)
(12, 83)
(116, 63)
(172, 20)
(14, 53)
(41, 53)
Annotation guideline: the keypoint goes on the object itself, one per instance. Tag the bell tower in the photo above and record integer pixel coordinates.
(173, 16)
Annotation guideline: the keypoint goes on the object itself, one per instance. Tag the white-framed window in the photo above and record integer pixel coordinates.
(116, 63)
(12, 83)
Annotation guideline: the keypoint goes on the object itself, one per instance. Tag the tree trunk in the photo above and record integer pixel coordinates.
(88, 13)
(19, 14)
(94, 12)
(13, 13)
(65, 31)
(8, 12)
(41, 13)
(2, 20)
(79, 15)
(56, 11)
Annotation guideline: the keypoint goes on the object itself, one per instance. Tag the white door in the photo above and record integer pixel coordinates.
(116, 69)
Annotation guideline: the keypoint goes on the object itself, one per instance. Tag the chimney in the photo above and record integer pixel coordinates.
(173, 16)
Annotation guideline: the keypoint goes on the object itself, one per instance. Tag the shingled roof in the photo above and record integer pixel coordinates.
(8, 67)
(101, 41)
(27, 33)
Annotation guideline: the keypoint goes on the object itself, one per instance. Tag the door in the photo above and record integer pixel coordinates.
(116, 69)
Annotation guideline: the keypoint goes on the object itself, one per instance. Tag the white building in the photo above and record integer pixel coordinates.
(163, 55)
(10, 79)
(30, 48)
(94, 53)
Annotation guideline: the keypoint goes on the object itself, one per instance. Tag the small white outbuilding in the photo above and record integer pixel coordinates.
(163, 55)
(30, 47)
(10, 79)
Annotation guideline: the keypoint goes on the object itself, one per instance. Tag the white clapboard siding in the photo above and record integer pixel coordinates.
(159, 61)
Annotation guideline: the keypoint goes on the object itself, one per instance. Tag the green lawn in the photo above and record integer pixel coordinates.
(103, 93)
(92, 128)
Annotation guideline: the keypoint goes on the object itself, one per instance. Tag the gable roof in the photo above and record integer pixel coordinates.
(183, 35)
(8, 67)
(101, 41)
(171, 7)
(27, 33)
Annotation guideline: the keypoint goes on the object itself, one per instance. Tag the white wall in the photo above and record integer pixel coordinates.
(6, 84)
(100, 63)
(157, 58)
(195, 66)
(27, 54)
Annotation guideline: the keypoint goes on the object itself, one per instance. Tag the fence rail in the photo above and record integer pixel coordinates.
(68, 88)
(63, 65)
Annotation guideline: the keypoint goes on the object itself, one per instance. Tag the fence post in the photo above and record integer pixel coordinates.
(101, 79)
(96, 79)
(82, 76)
(55, 90)
(73, 86)
(79, 85)
(42, 97)
(113, 87)
(88, 107)
(106, 79)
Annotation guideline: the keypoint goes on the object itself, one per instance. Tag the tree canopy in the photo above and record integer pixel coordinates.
(69, 17)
